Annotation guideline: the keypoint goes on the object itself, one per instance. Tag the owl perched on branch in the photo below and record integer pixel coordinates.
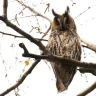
(64, 41)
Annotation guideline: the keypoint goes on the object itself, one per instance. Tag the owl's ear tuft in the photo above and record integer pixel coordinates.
(67, 10)
(54, 13)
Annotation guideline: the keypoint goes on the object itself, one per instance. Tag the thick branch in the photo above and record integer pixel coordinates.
(20, 81)
(88, 70)
(55, 58)
(88, 90)
(89, 45)
(5, 5)
(24, 47)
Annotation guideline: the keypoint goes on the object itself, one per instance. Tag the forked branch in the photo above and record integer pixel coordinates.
(35, 12)
(55, 58)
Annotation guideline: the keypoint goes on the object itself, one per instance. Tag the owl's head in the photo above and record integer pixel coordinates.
(63, 22)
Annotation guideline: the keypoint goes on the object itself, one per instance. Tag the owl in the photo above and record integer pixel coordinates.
(64, 41)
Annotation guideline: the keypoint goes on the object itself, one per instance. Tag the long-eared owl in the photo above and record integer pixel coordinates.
(64, 41)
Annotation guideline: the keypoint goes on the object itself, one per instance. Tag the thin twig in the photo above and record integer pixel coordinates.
(35, 12)
(20, 31)
(21, 18)
(84, 11)
(46, 31)
(20, 81)
(73, 2)
(48, 5)
(20, 36)
(11, 35)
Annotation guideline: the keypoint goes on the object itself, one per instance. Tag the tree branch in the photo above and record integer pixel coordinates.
(11, 35)
(20, 31)
(5, 5)
(87, 70)
(20, 81)
(46, 32)
(54, 58)
(84, 11)
(35, 12)
(21, 36)
(24, 48)
(89, 45)
(88, 90)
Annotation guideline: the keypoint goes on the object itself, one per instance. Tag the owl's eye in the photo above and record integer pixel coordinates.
(64, 19)
(57, 20)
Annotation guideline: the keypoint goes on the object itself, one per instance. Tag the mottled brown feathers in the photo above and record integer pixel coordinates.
(64, 41)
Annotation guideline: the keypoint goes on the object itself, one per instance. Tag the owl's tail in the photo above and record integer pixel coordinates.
(60, 86)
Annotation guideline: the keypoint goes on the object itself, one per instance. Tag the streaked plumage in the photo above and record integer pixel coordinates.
(64, 41)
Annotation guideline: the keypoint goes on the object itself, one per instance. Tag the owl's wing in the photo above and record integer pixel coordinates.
(65, 44)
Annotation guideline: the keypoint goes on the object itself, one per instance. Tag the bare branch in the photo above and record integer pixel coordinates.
(11, 35)
(21, 17)
(73, 3)
(20, 81)
(48, 5)
(89, 45)
(35, 12)
(41, 39)
(21, 36)
(5, 5)
(20, 31)
(46, 32)
(24, 48)
(54, 58)
(87, 70)
(84, 11)
(88, 90)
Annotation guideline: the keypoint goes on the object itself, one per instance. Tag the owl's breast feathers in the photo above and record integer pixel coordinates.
(67, 44)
